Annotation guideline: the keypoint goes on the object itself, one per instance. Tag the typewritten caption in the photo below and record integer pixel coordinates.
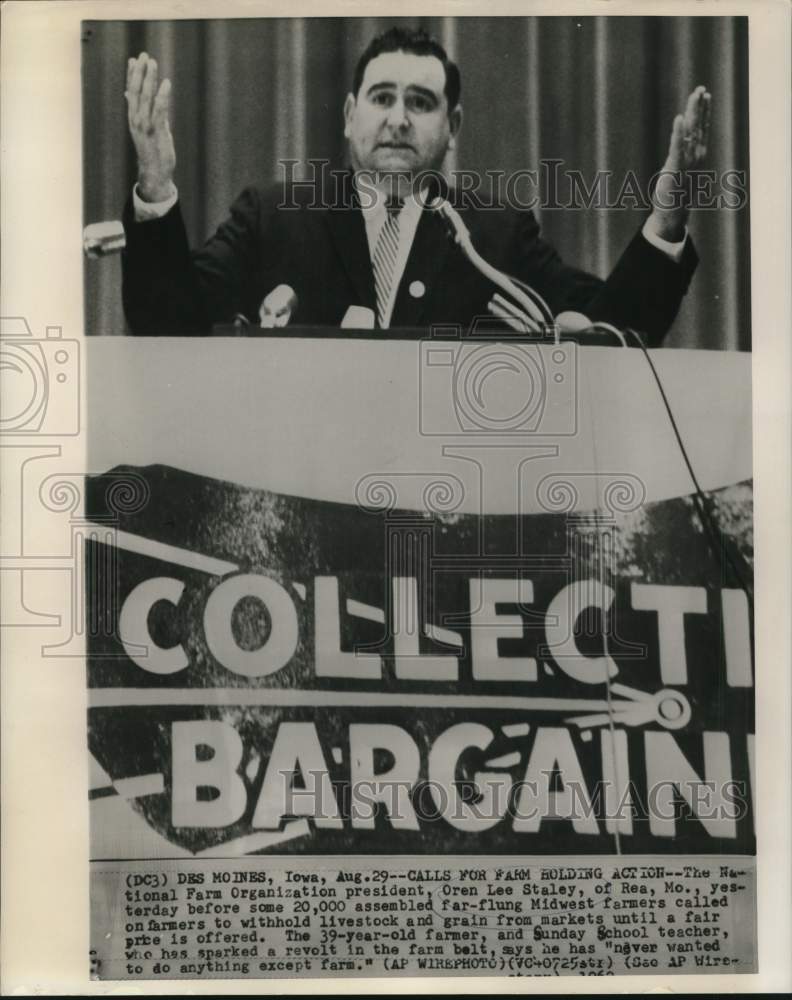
(289, 917)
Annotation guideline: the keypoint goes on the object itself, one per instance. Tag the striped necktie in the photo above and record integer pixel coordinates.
(385, 254)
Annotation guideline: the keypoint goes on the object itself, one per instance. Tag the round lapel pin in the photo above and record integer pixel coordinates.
(417, 289)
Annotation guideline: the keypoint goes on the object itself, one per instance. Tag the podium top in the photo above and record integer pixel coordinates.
(598, 338)
(498, 422)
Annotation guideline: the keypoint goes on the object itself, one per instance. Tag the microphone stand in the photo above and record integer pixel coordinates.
(531, 301)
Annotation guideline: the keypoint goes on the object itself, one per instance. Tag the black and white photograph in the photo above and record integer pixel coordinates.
(473, 579)
(584, 156)
(409, 570)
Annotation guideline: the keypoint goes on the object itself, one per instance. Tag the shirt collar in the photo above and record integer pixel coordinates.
(373, 199)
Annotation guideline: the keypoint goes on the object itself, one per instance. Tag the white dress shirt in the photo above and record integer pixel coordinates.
(374, 215)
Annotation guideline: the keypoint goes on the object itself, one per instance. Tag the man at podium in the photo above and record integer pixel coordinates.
(371, 249)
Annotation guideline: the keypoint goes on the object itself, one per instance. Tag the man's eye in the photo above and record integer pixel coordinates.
(383, 99)
(419, 104)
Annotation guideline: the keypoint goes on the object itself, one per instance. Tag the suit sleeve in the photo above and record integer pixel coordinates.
(169, 290)
(644, 291)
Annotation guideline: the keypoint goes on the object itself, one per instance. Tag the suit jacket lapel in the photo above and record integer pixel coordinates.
(348, 231)
(424, 269)
(425, 264)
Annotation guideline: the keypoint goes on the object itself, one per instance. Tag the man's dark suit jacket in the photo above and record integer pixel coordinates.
(322, 253)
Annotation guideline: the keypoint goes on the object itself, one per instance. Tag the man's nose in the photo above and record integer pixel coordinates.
(397, 115)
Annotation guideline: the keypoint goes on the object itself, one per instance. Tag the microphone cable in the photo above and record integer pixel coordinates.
(723, 550)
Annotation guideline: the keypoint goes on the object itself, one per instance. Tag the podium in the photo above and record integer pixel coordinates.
(487, 556)
(313, 415)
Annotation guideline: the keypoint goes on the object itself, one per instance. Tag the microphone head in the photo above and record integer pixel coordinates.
(455, 227)
(572, 322)
(277, 308)
(358, 318)
(100, 239)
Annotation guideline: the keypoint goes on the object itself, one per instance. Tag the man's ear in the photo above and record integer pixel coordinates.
(349, 108)
(455, 121)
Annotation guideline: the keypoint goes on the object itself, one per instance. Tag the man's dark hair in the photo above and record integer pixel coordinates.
(419, 43)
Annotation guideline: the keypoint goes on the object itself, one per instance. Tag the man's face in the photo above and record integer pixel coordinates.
(399, 120)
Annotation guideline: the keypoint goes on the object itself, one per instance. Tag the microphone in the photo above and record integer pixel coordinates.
(572, 322)
(528, 298)
(532, 308)
(277, 308)
(576, 322)
(358, 318)
(100, 239)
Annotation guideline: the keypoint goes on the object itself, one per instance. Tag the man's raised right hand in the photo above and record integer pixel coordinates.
(148, 104)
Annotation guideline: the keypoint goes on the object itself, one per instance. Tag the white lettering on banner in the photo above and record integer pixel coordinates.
(562, 614)
(218, 772)
(553, 751)
(134, 631)
(671, 603)
(297, 748)
(391, 787)
(492, 786)
(669, 771)
(737, 638)
(552, 785)
(331, 660)
(487, 627)
(280, 644)
(409, 664)
(616, 781)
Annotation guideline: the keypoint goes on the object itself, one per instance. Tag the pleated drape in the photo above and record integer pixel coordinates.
(595, 93)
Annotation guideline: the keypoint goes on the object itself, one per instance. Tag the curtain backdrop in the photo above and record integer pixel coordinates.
(596, 93)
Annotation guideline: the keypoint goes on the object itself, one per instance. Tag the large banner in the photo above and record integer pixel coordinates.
(430, 682)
